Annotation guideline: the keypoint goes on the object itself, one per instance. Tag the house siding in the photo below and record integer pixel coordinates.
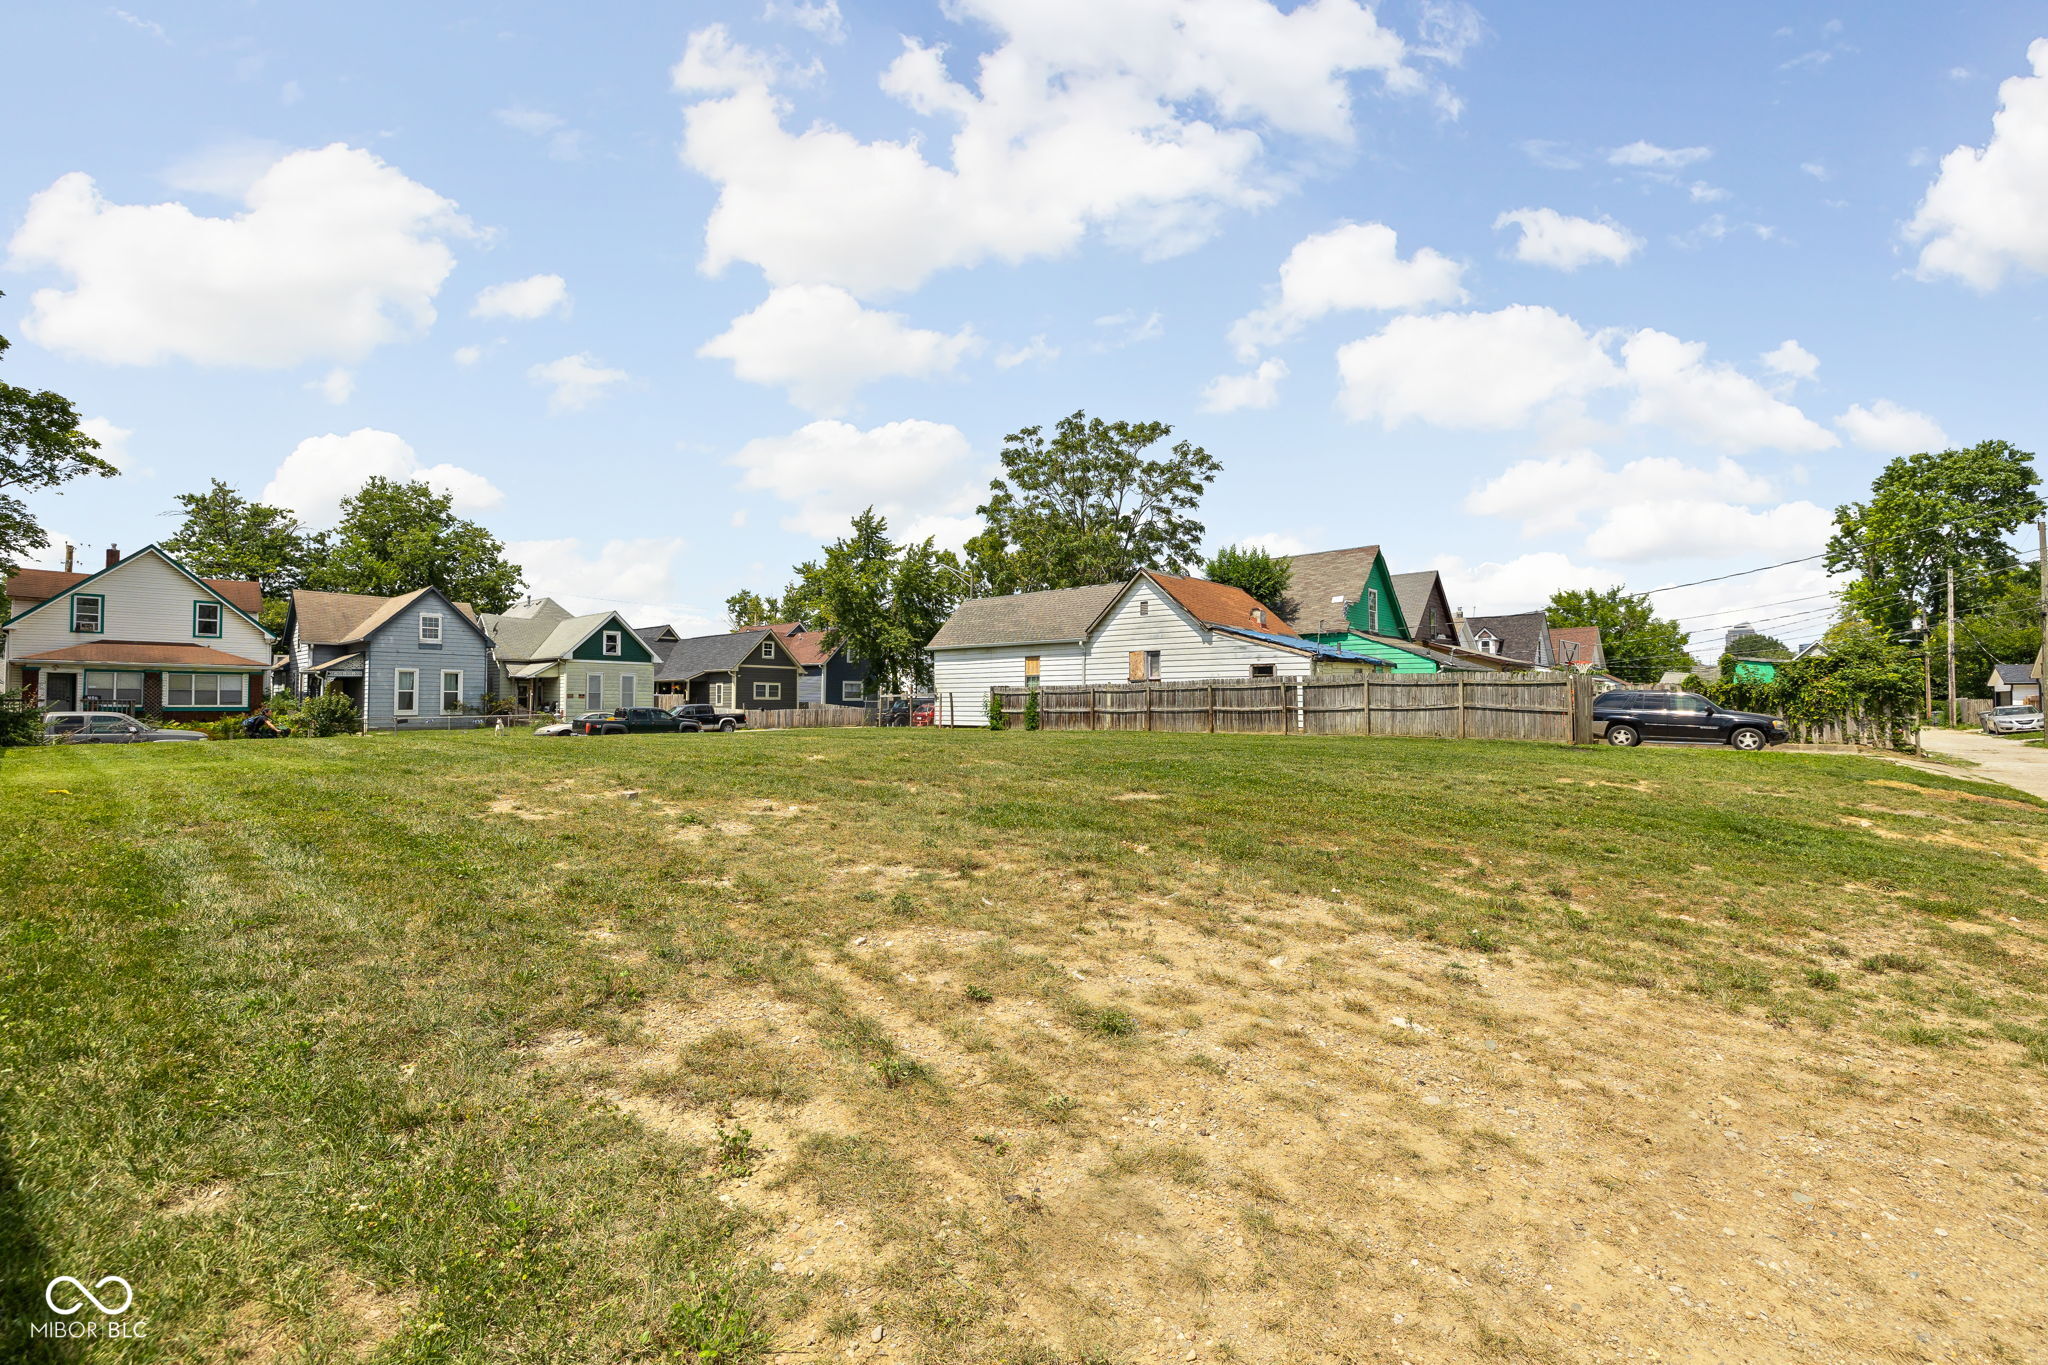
(1188, 652)
(145, 599)
(397, 645)
(1398, 659)
(962, 677)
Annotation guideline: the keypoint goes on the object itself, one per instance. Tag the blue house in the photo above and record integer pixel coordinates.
(418, 660)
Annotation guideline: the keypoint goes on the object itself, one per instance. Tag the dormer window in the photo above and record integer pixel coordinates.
(767, 649)
(614, 644)
(1489, 643)
(430, 628)
(1258, 616)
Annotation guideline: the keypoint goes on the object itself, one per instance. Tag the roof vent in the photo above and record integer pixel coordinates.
(1258, 616)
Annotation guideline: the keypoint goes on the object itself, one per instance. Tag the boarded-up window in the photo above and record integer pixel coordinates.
(1137, 665)
(1262, 670)
(1144, 665)
(1031, 670)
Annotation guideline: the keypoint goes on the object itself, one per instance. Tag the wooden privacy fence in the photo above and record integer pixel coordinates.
(1553, 707)
(805, 717)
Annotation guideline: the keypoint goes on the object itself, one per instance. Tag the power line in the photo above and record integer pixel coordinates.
(1739, 573)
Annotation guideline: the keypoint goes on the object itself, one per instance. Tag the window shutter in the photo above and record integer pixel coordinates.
(1137, 665)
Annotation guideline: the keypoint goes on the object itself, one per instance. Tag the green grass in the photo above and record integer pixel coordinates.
(270, 1014)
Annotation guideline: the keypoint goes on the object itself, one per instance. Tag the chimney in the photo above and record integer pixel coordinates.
(113, 555)
(70, 554)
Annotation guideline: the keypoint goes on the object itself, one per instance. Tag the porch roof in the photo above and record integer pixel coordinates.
(143, 654)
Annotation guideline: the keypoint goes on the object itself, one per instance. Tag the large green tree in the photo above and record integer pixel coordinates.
(224, 535)
(2003, 628)
(397, 536)
(1086, 505)
(1266, 577)
(41, 447)
(746, 609)
(1640, 646)
(1757, 645)
(1928, 514)
(880, 602)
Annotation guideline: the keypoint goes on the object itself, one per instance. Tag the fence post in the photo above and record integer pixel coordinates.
(1461, 707)
(1212, 708)
(1148, 708)
(1365, 721)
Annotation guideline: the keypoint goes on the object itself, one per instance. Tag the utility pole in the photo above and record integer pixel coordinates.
(1952, 643)
(2041, 568)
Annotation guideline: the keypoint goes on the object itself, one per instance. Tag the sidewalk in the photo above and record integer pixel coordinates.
(2000, 760)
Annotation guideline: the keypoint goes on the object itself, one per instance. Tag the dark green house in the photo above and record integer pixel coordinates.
(1349, 600)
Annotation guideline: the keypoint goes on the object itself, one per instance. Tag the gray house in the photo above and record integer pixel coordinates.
(747, 669)
(1522, 638)
(417, 660)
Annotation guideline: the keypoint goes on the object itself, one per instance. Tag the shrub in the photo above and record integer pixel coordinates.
(20, 722)
(1031, 709)
(328, 714)
(995, 711)
(1115, 1023)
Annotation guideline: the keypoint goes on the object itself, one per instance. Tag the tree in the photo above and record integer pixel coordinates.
(1757, 645)
(2004, 629)
(1928, 514)
(881, 603)
(1265, 577)
(1640, 647)
(398, 537)
(746, 609)
(41, 447)
(1086, 507)
(224, 535)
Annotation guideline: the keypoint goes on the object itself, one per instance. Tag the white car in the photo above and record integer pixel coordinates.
(2012, 720)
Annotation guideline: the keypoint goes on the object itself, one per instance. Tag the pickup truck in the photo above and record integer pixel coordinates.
(704, 716)
(630, 720)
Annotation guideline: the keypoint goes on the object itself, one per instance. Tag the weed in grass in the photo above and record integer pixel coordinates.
(841, 1323)
(992, 1142)
(1821, 979)
(717, 1322)
(900, 1071)
(1060, 1106)
(1892, 962)
(736, 1151)
(1114, 1023)
(980, 995)
(1483, 941)
(1923, 1035)
(1202, 1061)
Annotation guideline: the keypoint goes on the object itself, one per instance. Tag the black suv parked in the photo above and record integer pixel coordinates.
(1632, 717)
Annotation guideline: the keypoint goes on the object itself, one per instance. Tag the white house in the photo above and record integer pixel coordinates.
(144, 634)
(1155, 628)
(2014, 685)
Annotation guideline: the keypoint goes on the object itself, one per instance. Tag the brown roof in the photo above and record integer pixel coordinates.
(138, 652)
(1587, 638)
(332, 618)
(1219, 604)
(805, 646)
(40, 585)
(1326, 574)
(1054, 615)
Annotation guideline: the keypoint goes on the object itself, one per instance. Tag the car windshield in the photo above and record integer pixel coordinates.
(2014, 711)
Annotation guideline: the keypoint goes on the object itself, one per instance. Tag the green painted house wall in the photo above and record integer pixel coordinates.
(631, 650)
(1400, 660)
(1756, 670)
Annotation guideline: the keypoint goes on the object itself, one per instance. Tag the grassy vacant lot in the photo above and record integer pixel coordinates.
(1031, 1048)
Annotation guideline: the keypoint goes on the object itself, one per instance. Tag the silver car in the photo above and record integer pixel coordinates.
(105, 727)
(2011, 720)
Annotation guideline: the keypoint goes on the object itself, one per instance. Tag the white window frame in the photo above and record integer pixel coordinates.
(614, 644)
(219, 620)
(213, 682)
(721, 694)
(1372, 611)
(767, 691)
(851, 689)
(399, 688)
(629, 691)
(1152, 662)
(430, 634)
(99, 613)
(768, 649)
(456, 674)
(1488, 643)
(114, 690)
(593, 692)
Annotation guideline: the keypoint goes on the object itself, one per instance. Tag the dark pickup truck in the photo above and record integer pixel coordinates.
(630, 720)
(704, 716)
(1632, 717)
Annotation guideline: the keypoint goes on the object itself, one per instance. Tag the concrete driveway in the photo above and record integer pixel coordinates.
(2002, 760)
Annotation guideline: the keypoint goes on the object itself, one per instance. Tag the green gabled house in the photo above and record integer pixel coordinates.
(1348, 599)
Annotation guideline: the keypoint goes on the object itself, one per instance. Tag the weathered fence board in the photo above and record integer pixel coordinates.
(1555, 708)
(805, 717)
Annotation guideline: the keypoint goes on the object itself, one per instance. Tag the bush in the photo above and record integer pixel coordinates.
(995, 711)
(1031, 709)
(21, 724)
(328, 714)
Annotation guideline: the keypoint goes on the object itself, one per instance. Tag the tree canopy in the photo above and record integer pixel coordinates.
(880, 602)
(1086, 506)
(746, 609)
(224, 535)
(397, 537)
(41, 447)
(2003, 628)
(1640, 647)
(1757, 645)
(1265, 576)
(1926, 514)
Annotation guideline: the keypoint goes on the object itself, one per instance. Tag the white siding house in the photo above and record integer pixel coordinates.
(1154, 628)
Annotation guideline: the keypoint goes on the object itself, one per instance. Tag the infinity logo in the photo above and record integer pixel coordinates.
(127, 1295)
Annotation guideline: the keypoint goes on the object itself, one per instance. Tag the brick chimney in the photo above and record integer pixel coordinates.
(113, 555)
(70, 557)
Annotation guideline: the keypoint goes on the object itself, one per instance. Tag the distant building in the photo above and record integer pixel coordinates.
(1736, 633)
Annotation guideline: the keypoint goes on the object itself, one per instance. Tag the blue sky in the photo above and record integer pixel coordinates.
(664, 293)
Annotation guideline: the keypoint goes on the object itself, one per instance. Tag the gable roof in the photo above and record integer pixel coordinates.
(545, 630)
(2011, 674)
(37, 586)
(1524, 635)
(1413, 591)
(335, 618)
(805, 645)
(682, 660)
(1220, 604)
(656, 635)
(1326, 574)
(1054, 616)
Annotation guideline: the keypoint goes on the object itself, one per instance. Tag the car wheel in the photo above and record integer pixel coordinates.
(1624, 736)
(1748, 739)
(725, 727)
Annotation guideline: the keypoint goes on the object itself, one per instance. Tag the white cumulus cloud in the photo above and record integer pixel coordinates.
(1038, 348)
(1141, 120)
(1792, 360)
(322, 470)
(1526, 582)
(821, 18)
(574, 382)
(1886, 427)
(1565, 243)
(335, 254)
(923, 476)
(636, 577)
(1986, 214)
(1650, 156)
(820, 344)
(1471, 370)
(1675, 528)
(1676, 387)
(1557, 493)
(1356, 266)
(533, 297)
(1258, 389)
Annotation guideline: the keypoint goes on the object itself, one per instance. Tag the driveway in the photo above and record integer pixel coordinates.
(2002, 760)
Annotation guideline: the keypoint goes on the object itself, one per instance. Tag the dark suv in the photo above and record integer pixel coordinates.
(1632, 717)
(630, 720)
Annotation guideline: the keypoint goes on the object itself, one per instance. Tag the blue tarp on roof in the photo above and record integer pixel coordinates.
(1309, 647)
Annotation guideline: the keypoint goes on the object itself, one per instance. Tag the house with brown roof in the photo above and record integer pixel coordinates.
(827, 677)
(415, 661)
(1155, 628)
(1578, 647)
(144, 635)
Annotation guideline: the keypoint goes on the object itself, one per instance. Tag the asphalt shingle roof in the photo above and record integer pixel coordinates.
(1524, 635)
(1025, 618)
(1412, 591)
(2014, 673)
(682, 660)
(1329, 573)
(333, 618)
